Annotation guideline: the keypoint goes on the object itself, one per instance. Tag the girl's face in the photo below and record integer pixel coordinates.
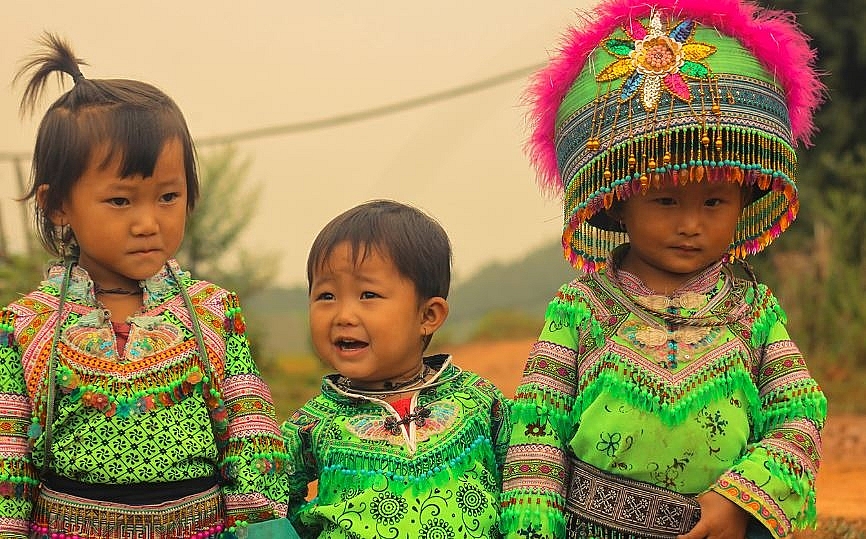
(127, 228)
(366, 320)
(677, 231)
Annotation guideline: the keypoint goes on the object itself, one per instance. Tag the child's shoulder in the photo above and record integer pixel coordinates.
(196, 285)
(583, 282)
(212, 295)
(319, 406)
(581, 289)
(38, 300)
(749, 292)
(478, 384)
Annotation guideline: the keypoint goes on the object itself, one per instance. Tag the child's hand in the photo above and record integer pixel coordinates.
(720, 519)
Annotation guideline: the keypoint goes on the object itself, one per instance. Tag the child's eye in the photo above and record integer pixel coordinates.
(325, 296)
(170, 197)
(369, 295)
(118, 201)
(665, 201)
(713, 202)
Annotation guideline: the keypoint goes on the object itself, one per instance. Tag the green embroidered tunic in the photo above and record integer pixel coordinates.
(727, 405)
(437, 476)
(151, 413)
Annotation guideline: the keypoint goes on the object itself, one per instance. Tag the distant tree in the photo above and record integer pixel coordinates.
(19, 274)
(819, 266)
(211, 248)
(832, 173)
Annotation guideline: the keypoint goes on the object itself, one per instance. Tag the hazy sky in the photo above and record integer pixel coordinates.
(235, 66)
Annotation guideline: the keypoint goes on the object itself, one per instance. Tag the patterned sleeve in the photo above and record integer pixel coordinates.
(297, 434)
(252, 457)
(774, 480)
(536, 466)
(18, 478)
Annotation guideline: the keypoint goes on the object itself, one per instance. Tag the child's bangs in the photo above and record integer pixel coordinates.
(362, 235)
(359, 250)
(133, 137)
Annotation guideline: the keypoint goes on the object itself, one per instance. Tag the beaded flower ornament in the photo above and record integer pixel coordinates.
(668, 92)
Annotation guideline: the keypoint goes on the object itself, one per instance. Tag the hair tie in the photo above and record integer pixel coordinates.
(77, 76)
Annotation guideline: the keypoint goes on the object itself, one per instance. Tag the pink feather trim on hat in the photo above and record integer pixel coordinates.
(772, 36)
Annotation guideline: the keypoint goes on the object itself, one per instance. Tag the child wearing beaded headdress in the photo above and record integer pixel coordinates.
(129, 403)
(402, 445)
(664, 396)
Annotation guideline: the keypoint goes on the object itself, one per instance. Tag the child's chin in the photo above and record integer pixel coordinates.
(347, 370)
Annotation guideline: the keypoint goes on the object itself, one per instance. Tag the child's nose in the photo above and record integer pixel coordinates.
(145, 222)
(690, 221)
(346, 314)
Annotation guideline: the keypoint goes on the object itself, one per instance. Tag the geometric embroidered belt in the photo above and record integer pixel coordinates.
(65, 516)
(604, 505)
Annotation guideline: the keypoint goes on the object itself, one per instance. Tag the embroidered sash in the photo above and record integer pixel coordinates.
(607, 506)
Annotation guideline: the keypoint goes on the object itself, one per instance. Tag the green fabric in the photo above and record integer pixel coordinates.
(372, 484)
(737, 417)
(155, 414)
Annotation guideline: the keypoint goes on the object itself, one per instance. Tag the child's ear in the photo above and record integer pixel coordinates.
(433, 315)
(57, 217)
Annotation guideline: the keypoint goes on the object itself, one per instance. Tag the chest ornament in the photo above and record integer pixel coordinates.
(428, 420)
(669, 347)
(92, 335)
(129, 395)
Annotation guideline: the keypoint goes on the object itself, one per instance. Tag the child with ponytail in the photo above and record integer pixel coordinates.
(129, 403)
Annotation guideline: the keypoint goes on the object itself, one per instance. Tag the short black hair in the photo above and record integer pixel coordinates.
(134, 120)
(414, 241)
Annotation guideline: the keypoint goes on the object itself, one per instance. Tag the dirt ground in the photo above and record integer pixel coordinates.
(841, 479)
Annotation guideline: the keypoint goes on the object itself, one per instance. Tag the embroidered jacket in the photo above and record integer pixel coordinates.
(437, 476)
(155, 413)
(726, 405)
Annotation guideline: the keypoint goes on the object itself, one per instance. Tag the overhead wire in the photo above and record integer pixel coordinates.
(347, 118)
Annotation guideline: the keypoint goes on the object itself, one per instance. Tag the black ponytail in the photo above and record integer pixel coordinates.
(56, 56)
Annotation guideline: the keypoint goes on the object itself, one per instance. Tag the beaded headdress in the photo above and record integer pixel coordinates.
(654, 91)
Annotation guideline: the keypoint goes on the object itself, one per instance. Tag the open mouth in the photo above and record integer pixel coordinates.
(350, 344)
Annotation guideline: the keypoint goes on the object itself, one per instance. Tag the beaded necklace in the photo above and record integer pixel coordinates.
(389, 387)
(343, 384)
(97, 289)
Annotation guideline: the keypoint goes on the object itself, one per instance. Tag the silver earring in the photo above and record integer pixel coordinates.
(68, 245)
